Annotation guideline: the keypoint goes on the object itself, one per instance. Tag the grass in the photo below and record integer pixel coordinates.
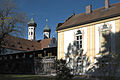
(31, 77)
(24, 77)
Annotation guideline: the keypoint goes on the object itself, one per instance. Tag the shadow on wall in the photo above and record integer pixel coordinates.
(108, 64)
(76, 60)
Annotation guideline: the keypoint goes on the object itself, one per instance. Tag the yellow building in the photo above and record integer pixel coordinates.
(94, 32)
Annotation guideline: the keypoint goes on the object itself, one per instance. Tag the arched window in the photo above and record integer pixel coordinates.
(105, 38)
(79, 39)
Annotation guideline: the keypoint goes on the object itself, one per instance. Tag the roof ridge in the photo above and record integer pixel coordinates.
(21, 38)
(112, 5)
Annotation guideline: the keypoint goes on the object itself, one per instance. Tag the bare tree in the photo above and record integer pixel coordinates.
(11, 21)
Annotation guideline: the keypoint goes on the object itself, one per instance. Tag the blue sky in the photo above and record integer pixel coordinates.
(56, 11)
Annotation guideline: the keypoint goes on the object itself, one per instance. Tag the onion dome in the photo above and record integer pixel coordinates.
(32, 23)
(46, 28)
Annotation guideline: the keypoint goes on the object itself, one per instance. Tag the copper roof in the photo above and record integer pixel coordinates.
(47, 28)
(95, 15)
(32, 23)
(16, 43)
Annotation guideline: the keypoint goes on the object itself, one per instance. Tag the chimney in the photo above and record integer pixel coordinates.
(88, 9)
(106, 4)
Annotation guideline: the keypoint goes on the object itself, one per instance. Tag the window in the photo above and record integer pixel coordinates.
(31, 56)
(105, 38)
(49, 54)
(0, 58)
(10, 57)
(39, 55)
(18, 42)
(79, 39)
(31, 33)
(17, 56)
(28, 48)
(5, 57)
(20, 47)
(23, 56)
(13, 45)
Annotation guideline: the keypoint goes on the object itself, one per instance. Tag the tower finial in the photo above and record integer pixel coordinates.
(46, 20)
(46, 30)
(32, 14)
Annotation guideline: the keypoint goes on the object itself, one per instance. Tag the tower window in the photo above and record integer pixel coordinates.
(79, 39)
(31, 33)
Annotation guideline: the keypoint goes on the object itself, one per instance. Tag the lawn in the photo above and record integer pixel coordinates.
(24, 77)
(30, 77)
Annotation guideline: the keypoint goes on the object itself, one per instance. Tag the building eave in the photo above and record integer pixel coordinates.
(88, 22)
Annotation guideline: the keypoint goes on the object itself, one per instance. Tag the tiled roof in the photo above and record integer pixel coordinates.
(95, 15)
(17, 43)
(45, 42)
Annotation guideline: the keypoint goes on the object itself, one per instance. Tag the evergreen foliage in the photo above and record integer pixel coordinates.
(62, 71)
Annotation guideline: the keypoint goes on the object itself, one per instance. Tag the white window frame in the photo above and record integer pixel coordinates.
(79, 40)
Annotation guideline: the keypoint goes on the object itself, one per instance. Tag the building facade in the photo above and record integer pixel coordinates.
(93, 32)
(29, 62)
(29, 56)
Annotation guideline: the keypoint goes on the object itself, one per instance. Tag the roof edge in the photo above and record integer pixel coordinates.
(95, 20)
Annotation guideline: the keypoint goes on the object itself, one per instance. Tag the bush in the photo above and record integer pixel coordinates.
(62, 71)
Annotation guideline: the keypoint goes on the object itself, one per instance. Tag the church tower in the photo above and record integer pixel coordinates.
(46, 31)
(31, 29)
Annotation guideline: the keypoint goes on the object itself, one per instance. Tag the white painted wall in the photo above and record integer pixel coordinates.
(68, 38)
(60, 42)
(97, 37)
(85, 40)
(91, 43)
